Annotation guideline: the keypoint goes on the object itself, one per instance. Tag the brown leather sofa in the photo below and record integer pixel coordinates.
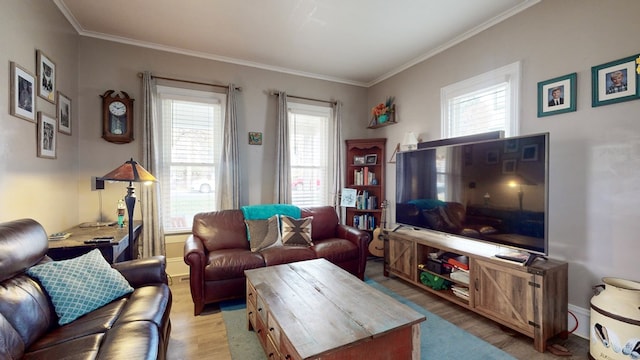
(218, 252)
(135, 326)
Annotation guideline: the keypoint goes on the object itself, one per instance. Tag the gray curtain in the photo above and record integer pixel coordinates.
(228, 179)
(152, 238)
(282, 191)
(338, 158)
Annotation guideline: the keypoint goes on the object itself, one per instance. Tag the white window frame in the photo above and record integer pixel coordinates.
(325, 182)
(509, 74)
(201, 96)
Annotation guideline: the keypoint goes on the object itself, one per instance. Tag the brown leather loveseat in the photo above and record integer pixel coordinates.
(218, 251)
(134, 326)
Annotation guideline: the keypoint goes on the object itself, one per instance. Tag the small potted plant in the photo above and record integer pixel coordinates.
(382, 111)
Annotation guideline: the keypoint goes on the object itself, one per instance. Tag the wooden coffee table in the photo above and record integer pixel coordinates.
(312, 309)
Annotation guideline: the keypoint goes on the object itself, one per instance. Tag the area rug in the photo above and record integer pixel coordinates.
(439, 339)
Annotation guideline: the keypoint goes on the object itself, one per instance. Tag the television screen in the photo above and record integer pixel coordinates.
(492, 190)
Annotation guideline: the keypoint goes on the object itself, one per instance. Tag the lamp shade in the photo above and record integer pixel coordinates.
(410, 140)
(130, 171)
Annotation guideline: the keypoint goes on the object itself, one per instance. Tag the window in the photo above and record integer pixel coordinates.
(487, 102)
(310, 142)
(191, 145)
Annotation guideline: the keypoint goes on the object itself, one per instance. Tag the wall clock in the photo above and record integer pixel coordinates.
(117, 117)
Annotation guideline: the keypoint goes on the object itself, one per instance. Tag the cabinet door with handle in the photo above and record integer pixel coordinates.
(504, 294)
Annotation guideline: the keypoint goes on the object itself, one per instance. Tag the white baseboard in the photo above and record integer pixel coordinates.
(176, 268)
(584, 317)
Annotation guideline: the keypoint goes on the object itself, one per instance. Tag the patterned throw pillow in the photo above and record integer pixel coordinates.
(80, 285)
(264, 233)
(296, 232)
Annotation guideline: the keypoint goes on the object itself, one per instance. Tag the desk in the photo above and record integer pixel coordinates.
(118, 250)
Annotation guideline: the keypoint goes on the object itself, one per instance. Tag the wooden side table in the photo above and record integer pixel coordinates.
(120, 249)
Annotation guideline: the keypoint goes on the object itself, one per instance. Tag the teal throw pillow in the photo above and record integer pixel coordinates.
(80, 285)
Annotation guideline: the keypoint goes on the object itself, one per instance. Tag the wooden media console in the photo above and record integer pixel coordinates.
(531, 300)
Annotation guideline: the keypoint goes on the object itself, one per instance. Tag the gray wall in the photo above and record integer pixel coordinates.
(43, 189)
(594, 152)
(108, 65)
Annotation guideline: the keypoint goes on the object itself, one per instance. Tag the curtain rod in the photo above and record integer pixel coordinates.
(190, 82)
(306, 98)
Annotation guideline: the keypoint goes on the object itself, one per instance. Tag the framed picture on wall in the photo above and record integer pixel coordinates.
(64, 113)
(255, 138)
(46, 77)
(615, 82)
(47, 138)
(22, 93)
(557, 95)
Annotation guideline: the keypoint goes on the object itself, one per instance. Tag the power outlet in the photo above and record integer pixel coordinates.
(96, 184)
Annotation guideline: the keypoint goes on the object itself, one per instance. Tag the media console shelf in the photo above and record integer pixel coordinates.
(531, 300)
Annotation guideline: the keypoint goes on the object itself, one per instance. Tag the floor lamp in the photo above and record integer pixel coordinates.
(132, 172)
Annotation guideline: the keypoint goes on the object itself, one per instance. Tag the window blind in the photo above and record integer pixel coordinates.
(191, 144)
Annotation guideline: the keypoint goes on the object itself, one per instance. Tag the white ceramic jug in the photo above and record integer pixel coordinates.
(615, 320)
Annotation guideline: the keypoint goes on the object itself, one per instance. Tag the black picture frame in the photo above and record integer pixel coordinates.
(371, 159)
(565, 89)
(606, 90)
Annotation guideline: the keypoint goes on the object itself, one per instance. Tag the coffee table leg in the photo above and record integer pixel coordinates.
(415, 343)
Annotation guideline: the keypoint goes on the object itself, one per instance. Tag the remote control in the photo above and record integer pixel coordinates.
(99, 240)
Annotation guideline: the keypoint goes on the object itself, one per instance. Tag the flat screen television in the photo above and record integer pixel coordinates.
(494, 191)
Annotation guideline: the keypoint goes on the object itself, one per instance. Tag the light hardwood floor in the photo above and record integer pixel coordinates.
(204, 336)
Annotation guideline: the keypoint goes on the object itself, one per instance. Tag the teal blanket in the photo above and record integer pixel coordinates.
(265, 211)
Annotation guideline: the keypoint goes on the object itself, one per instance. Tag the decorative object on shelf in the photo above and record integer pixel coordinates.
(47, 138)
(64, 113)
(371, 159)
(359, 160)
(348, 198)
(255, 138)
(383, 114)
(132, 172)
(557, 96)
(117, 117)
(46, 70)
(615, 82)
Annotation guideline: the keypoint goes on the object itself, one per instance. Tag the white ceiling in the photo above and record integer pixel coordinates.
(359, 42)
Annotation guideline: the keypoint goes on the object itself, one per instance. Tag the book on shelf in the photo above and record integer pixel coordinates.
(363, 177)
(460, 275)
(460, 291)
(364, 222)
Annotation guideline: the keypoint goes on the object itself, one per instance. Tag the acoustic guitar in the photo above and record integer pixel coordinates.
(376, 246)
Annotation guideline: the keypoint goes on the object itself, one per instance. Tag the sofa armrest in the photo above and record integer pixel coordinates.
(140, 272)
(358, 237)
(361, 239)
(195, 255)
(195, 252)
